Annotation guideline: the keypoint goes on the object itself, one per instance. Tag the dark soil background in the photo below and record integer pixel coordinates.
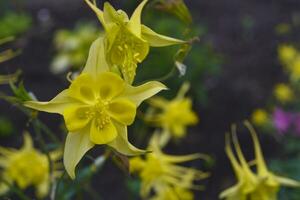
(249, 72)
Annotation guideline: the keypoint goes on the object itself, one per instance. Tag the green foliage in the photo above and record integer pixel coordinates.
(14, 24)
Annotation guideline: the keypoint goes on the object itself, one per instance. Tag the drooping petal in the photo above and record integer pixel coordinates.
(98, 12)
(76, 117)
(96, 62)
(123, 111)
(157, 40)
(102, 133)
(77, 144)
(135, 20)
(121, 143)
(56, 105)
(140, 93)
(84, 89)
(110, 85)
(233, 193)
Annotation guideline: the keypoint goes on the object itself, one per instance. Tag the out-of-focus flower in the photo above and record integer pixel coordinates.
(127, 40)
(97, 108)
(177, 8)
(173, 116)
(283, 28)
(162, 173)
(286, 54)
(73, 46)
(170, 193)
(27, 167)
(282, 120)
(283, 93)
(294, 69)
(262, 184)
(259, 117)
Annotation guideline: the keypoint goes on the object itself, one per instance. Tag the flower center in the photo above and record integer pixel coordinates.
(100, 113)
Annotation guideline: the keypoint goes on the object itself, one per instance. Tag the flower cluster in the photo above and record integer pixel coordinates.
(261, 184)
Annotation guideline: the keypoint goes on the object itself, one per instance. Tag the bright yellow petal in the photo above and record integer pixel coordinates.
(121, 143)
(157, 40)
(83, 89)
(56, 105)
(77, 144)
(98, 12)
(43, 189)
(123, 111)
(233, 193)
(140, 93)
(76, 117)
(96, 62)
(102, 134)
(135, 20)
(110, 85)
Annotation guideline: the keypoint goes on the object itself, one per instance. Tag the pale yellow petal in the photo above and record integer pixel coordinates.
(260, 162)
(121, 143)
(233, 193)
(28, 144)
(43, 189)
(77, 144)
(158, 40)
(287, 181)
(111, 16)
(56, 105)
(135, 20)
(102, 134)
(96, 62)
(235, 164)
(140, 93)
(123, 111)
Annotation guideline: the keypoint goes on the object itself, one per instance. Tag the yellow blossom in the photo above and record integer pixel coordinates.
(283, 93)
(294, 69)
(170, 193)
(161, 172)
(286, 54)
(173, 116)
(262, 184)
(127, 41)
(27, 167)
(97, 108)
(259, 117)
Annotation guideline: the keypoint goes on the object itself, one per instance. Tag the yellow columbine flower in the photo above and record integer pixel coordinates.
(286, 54)
(263, 184)
(161, 172)
(97, 108)
(27, 167)
(170, 193)
(259, 117)
(127, 40)
(283, 93)
(173, 116)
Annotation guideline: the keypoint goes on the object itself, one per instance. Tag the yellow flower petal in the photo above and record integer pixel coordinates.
(82, 89)
(56, 105)
(135, 20)
(121, 143)
(76, 117)
(27, 142)
(96, 62)
(102, 133)
(110, 85)
(140, 93)
(287, 182)
(98, 12)
(233, 193)
(77, 144)
(123, 111)
(112, 16)
(157, 40)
